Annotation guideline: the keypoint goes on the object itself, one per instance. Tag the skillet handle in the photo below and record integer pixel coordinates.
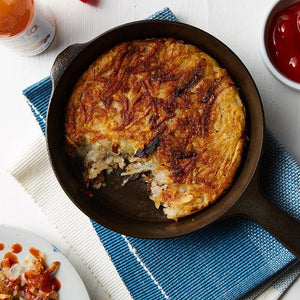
(256, 206)
(63, 60)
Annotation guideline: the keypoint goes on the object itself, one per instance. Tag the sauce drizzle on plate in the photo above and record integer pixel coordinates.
(16, 248)
(35, 253)
(9, 260)
(39, 279)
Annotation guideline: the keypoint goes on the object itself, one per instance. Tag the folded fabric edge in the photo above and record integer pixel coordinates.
(265, 290)
(32, 88)
(163, 14)
(290, 278)
(110, 280)
(38, 116)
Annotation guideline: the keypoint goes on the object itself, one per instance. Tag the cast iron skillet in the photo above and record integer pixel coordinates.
(128, 210)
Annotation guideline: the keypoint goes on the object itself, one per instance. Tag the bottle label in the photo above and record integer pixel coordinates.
(36, 37)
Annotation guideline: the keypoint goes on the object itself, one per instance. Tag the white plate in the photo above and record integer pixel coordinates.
(72, 286)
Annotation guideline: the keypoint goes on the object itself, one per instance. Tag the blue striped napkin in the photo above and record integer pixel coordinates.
(223, 261)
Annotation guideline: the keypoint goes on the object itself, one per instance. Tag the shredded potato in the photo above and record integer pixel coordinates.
(164, 109)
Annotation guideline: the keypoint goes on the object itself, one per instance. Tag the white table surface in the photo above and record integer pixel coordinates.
(236, 22)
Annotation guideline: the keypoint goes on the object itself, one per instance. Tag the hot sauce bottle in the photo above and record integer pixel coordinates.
(25, 27)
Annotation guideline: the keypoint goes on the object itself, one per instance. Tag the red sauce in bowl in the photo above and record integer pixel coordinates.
(284, 41)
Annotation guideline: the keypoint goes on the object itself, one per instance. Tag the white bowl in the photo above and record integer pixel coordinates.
(279, 5)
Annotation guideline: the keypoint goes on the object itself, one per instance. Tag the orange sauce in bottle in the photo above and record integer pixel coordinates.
(25, 27)
(15, 16)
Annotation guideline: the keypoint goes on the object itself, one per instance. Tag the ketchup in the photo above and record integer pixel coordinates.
(9, 260)
(42, 280)
(284, 41)
(37, 279)
(16, 248)
(35, 253)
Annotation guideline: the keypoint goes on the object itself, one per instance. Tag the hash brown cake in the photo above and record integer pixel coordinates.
(163, 110)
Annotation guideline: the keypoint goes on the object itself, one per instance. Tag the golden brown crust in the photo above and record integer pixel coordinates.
(174, 106)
